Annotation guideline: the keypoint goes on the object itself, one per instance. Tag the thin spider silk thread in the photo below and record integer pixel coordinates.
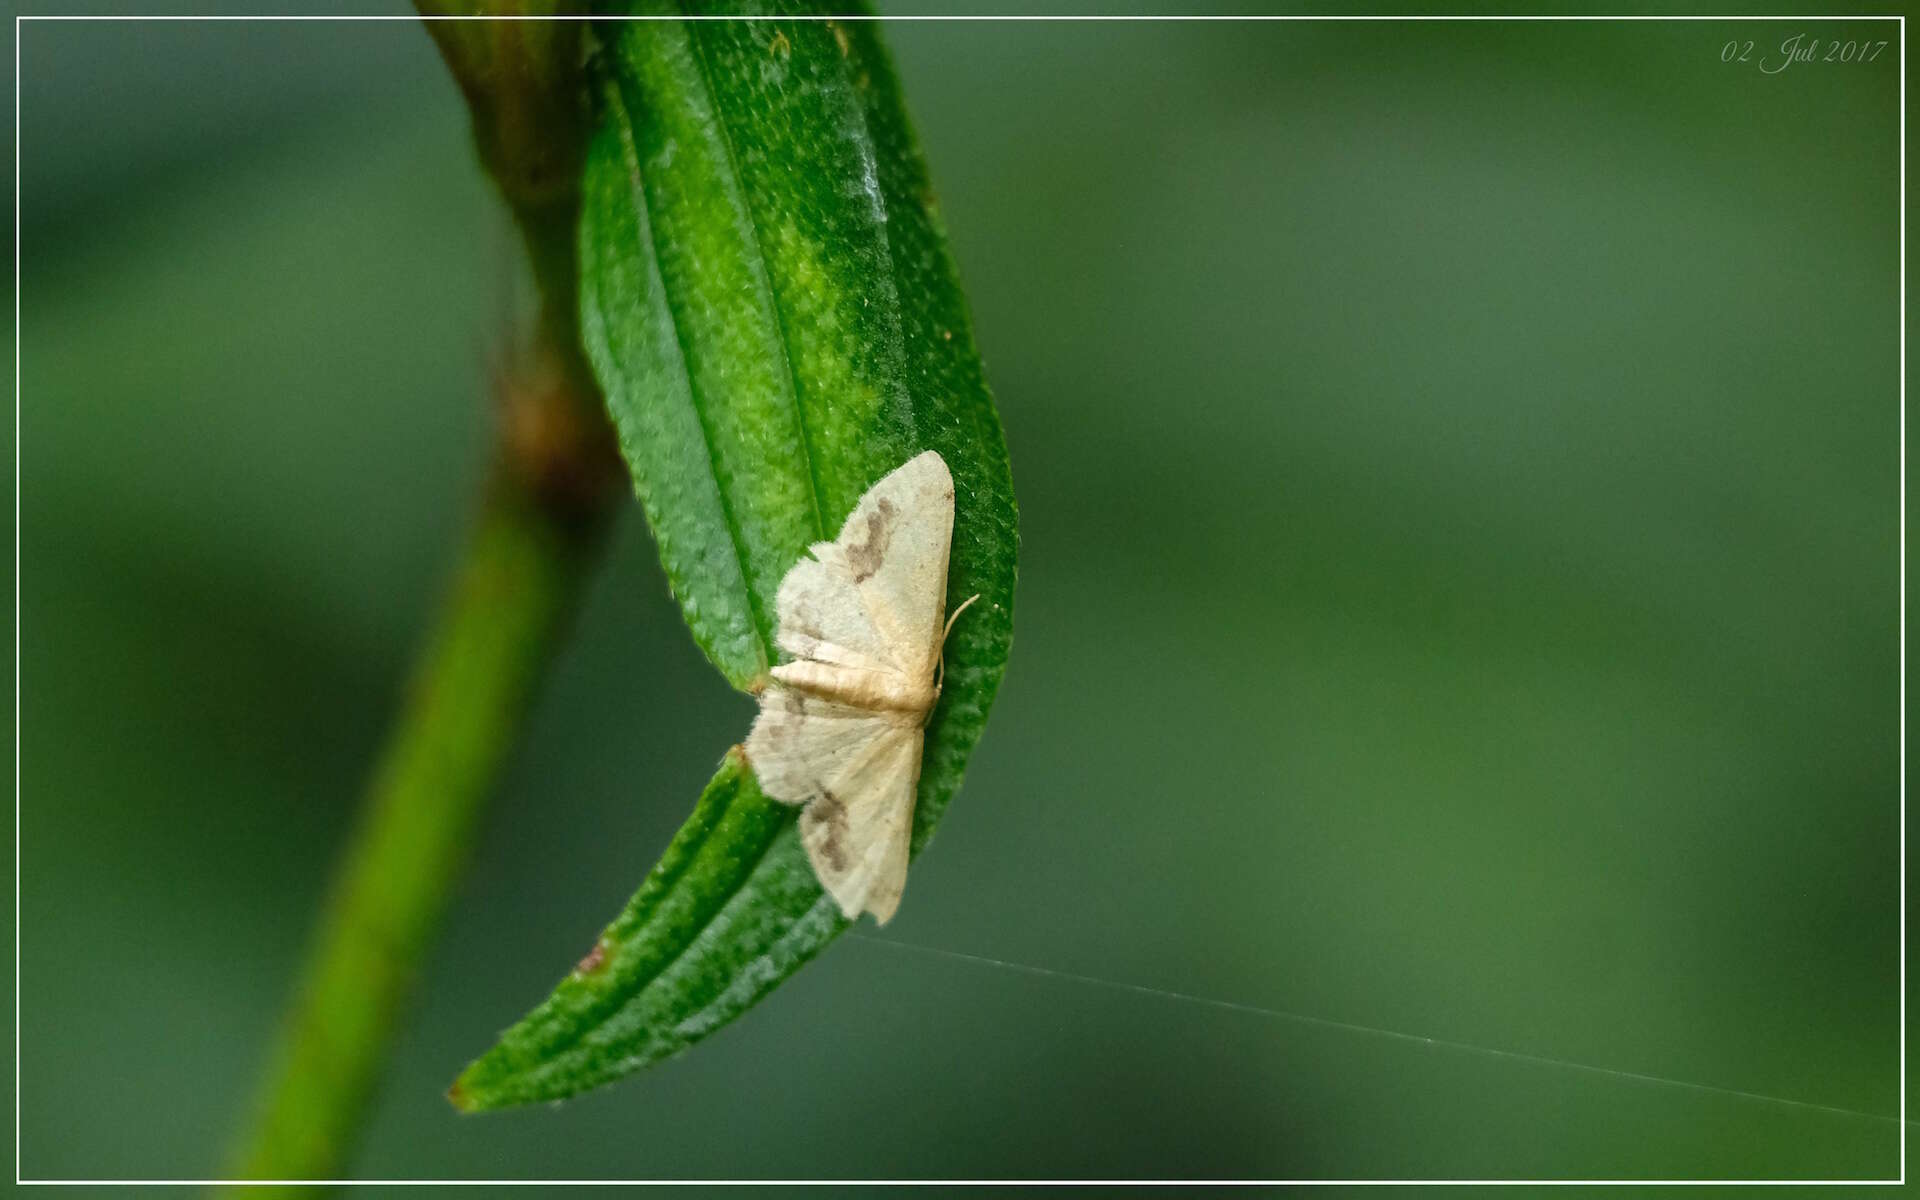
(1329, 1023)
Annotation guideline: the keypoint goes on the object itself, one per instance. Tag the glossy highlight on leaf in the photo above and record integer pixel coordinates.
(771, 309)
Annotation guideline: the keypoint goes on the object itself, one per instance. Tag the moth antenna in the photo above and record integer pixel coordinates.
(956, 617)
(940, 671)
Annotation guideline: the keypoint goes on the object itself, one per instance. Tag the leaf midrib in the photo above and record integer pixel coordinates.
(735, 537)
(607, 1004)
(623, 996)
(763, 276)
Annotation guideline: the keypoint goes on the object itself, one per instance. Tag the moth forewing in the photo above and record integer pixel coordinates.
(840, 726)
(894, 547)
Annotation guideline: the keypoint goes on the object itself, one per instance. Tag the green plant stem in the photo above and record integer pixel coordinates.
(522, 568)
(557, 478)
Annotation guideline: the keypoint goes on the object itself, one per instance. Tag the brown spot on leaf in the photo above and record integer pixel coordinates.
(595, 959)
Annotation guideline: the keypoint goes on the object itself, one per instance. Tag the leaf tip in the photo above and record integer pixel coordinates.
(458, 1097)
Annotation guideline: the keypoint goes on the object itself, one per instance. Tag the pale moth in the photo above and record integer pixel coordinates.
(841, 725)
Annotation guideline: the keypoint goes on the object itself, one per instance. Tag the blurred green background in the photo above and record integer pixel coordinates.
(1459, 597)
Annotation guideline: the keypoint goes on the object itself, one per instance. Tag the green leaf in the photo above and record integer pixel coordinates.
(770, 306)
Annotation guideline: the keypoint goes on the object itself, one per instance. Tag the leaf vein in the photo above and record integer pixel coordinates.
(635, 988)
(732, 522)
(763, 275)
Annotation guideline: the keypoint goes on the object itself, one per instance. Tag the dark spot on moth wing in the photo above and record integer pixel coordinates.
(830, 817)
(885, 900)
(866, 555)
